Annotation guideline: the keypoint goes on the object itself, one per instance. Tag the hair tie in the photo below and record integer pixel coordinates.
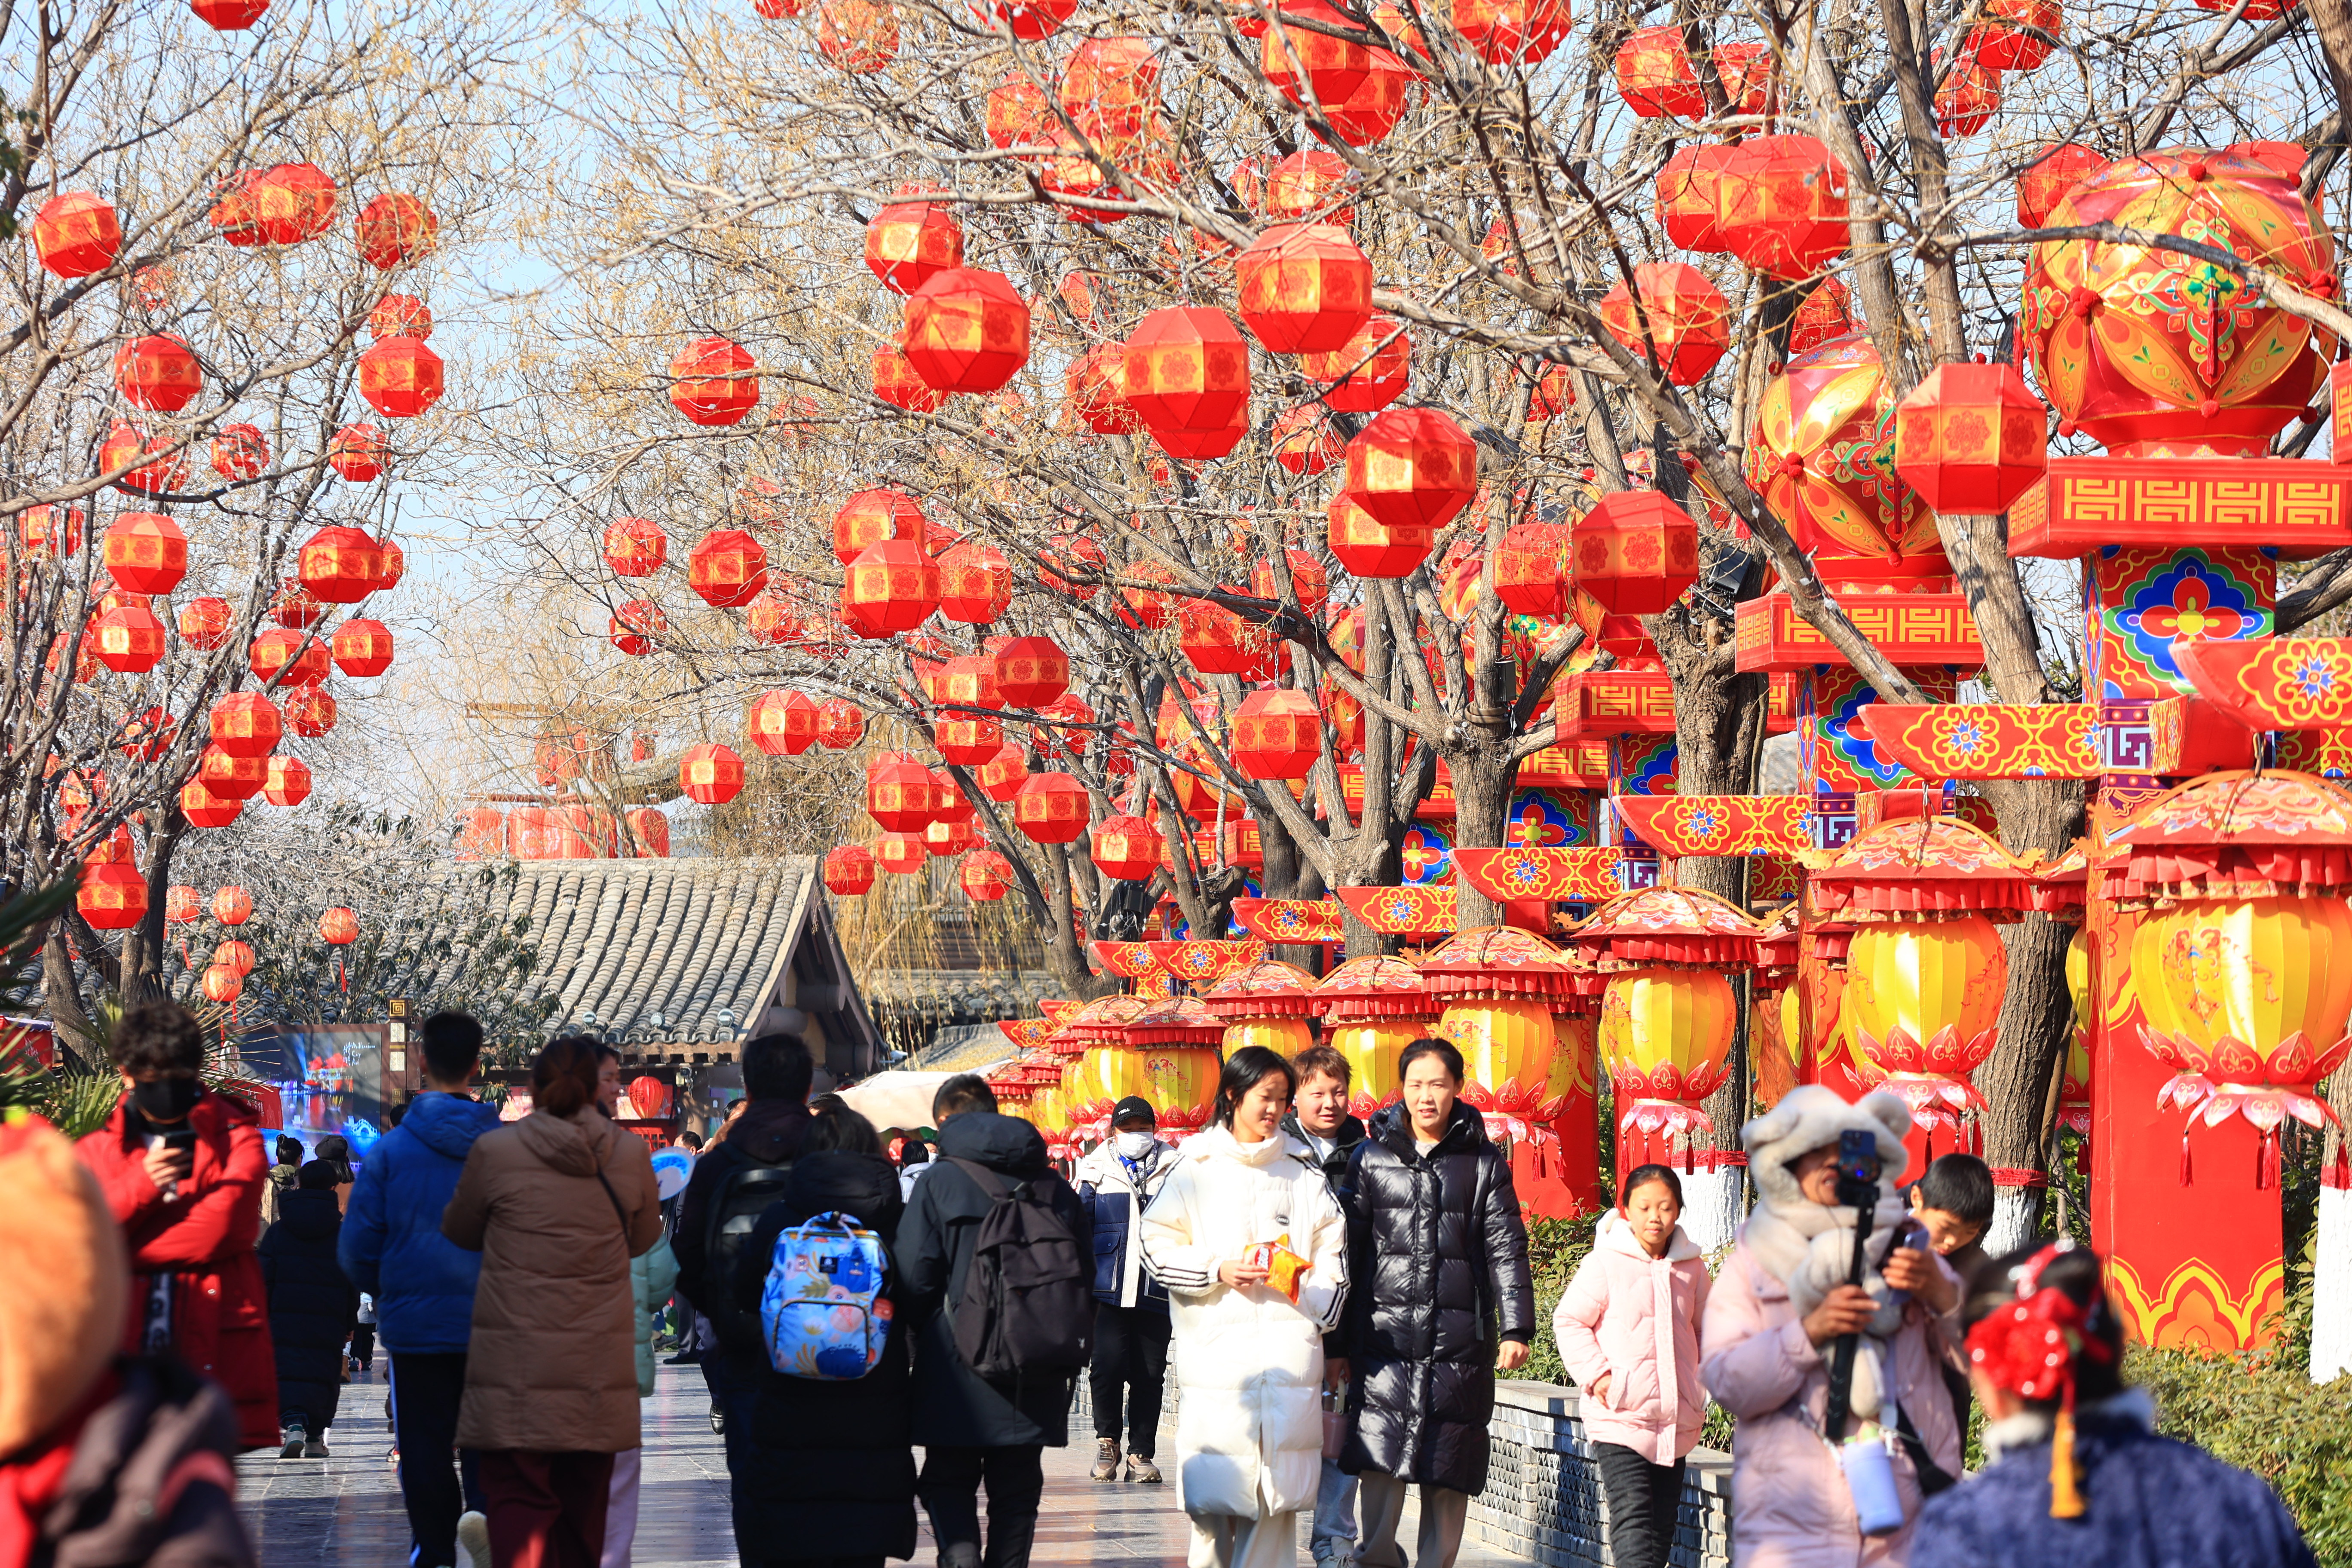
(2031, 1347)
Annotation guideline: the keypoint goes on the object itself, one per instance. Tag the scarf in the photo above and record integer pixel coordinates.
(1808, 1248)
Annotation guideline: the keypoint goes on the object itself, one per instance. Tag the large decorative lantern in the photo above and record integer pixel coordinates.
(714, 381)
(975, 584)
(1265, 1003)
(146, 552)
(1188, 378)
(1681, 311)
(1304, 288)
(1277, 735)
(1499, 984)
(1372, 1008)
(1412, 467)
(75, 234)
(1052, 807)
(1971, 438)
(840, 724)
(1079, 1039)
(782, 723)
(2058, 171)
(868, 517)
(1821, 456)
(848, 870)
(1780, 205)
(1171, 1058)
(967, 330)
(1030, 671)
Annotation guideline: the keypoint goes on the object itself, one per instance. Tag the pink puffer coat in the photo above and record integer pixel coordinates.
(1636, 1319)
(1790, 1507)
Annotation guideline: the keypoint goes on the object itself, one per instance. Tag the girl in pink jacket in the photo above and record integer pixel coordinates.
(1627, 1329)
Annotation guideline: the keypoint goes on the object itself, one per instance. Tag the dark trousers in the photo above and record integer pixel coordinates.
(363, 1345)
(547, 1510)
(1130, 1352)
(950, 1488)
(1643, 1498)
(426, 1390)
(733, 1379)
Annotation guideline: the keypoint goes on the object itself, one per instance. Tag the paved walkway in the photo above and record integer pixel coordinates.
(345, 1510)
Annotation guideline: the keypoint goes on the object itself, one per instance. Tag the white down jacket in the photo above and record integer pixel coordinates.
(1249, 1426)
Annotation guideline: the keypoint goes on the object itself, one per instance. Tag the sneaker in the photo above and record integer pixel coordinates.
(473, 1539)
(316, 1448)
(1140, 1468)
(1106, 1459)
(291, 1441)
(392, 1459)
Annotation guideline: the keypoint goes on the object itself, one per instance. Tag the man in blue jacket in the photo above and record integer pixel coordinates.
(392, 1249)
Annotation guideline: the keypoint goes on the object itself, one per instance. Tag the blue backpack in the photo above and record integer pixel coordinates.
(822, 1310)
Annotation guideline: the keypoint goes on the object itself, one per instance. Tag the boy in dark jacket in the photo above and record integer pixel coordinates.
(1117, 1182)
(1318, 1118)
(312, 1310)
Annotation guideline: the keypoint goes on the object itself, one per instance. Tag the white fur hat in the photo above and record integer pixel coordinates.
(1810, 1116)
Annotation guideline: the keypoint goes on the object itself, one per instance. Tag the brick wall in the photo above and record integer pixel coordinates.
(1543, 1501)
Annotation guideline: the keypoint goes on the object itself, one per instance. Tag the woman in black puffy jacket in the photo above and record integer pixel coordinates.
(1439, 1257)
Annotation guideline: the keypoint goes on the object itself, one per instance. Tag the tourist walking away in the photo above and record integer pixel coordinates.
(282, 1176)
(1954, 1201)
(423, 1284)
(2074, 1473)
(1254, 1250)
(557, 1204)
(653, 1275)
(335, 1149)
(1627, 1329)
(1000, 1332)
(104, 1459)
(1768, 1342)
(1439, 1253)
(312, 1310)
(828, 1478)
(183, 1169)
(1117, 1180)
(1318, 1118)
(742, 1171)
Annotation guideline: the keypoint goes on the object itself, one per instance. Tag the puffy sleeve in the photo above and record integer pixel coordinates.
(1507, 1253)
(1750, 1369)
(467, 1219)
(1165, 1233)
(1575, 1319)
(1323, 1293)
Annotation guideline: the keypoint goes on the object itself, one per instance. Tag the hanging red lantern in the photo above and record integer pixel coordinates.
(1001, 777)
(146, 552)
(295, 607)
(848, 870)
(710, 774)
(1096, 388)
(111, 897)
(1314, 185)
(1018, 113)
(728, 570)
(1681, 311)
(231, 906)
(231, 778)
(984, 875)
(1029, 20)
(246, 724)
(1126, 848)
(909, 243)
(395, 229)
(1220, 642)
(235, 956)
(1188, 372)
(1531, 569)
(1052, 807)
(1110, 87)
(1819, 456)
(205, 623)
(967, 330)
(309, 711)
(1969, 97)
(1655, 77)
(1367, 372)
(240, 452)
(287, 781)
(223, 986)
(340, 565)
(146, 465)
(635, 624)
(770, 621)
(339, 927)
(1072, 564)
(293, 204)
(400, 316)
(649, 831)
(968, 740)
(2000, 37)
(839, 724)
(357, 453)
(1635, 551)
(902, 853)
(969, 680)
(892, 587)
(900, 798)
(1304, 288)
(157, 372)
(636, 546)
(714, 381)
(1511, 32)
(869, 517)
(1030, 671)
(75, 234)
(782, 723)
(2051, 175)
(1300, 574)
(1412, 468)
(401, 377)
(1296, 63)
(183, 905)
(1826, 313)
(1371, 113)
(362, 647)
(147, 735)
(1148, 606)
(1780, 205)
(1277, 735)
(1971, 438)
(1553, 395)
(287, 657)
(1686, 199)
(1370, 548)
(128, 639)
(51, 530)
(896, 384)
(205, 809)
(975, 584)
(945, 838)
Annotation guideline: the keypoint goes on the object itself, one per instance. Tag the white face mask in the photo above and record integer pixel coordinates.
(1133, 1145)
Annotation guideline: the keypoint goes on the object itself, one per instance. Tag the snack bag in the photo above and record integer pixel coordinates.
(1284, 1269)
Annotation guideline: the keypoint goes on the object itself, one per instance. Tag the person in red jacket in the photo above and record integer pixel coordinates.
(183, 1171)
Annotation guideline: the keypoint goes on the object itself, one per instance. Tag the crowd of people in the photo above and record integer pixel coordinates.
(1335, 1301)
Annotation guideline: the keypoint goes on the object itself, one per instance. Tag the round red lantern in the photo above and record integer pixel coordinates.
(728, 570)
(949, 835)
(293, 204)
(357, 453)
(51, 530)
(128, 639)
(1412, 468)
(1818, 457)
(147, 734)
(1030, 671)
(400, 316)
(1072, 564)
(1971, 438)
(287, 657)
(1299, 575)
(902, 853)
(362, 647)
(892, 587)
(111, 897)
(1531, 569)
(869, 517)
(649, 829)
(231, 778)
(1371, 113)
(848, 870)
(339, 927)
(309, 711)
(1001, 777)
(231, 906)
(183, 905)
(900, 797)
(399, 377)
(1304, 288)
(909, 243)
(714, 381)
(146, 465)
(146, 552)
(202, 809)
(1370, 548)
(1780, 205)
(782, 723)
(969, 680)
(240, 452)
(246, 724)
(967, 330)
(1969, 97)
(1655, 75)
(1029, 20)
(1826, 313)
(1681, 311)
(1277, 735)
(1018, 113)
(75, 234)
(975, 584)
(340, 565)
(1314, 185)
(2001, 38)
(1188, 372)
(235, 956)
(635, 624)
(1096, 388)
(1051, 807)
(1685, 198)
(1505, 32)
(710, 774)
(394, 567)
(205, 623)
(984, 875)
(1220, 642)
(1110, 87)
(157, 372)
(1367, 372)
(1126, 848)
(294, 607)
(839, 724)
(394, 228)
(287, 781)
(896, 384)
(968, 740)
(1635, 551)
(770, 621)
(2058, 171)
(1296, 62)
(222, 984)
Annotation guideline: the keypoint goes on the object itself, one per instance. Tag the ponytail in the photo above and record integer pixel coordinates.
(563, 1076)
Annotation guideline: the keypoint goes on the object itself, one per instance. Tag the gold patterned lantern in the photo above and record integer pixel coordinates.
(1170, 1058)
(1372, 1008)
(1499, 985)
(1823, 457)
(1266, 1003)
(1078, 1039)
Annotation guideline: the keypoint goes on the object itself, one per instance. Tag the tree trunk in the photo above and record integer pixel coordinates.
(76, 1038)
(1482, 777)
(144, 944)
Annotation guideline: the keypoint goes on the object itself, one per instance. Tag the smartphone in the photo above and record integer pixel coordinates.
(178, 1139)
(1858, 1167)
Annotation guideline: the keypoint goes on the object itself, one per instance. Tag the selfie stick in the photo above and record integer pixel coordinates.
(1841, 1358)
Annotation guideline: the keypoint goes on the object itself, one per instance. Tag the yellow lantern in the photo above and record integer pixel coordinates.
(1922, 998)
(1576, 1049)
(1499, 985)
(1284, 1037)
(2075, 1088)
(1665, 1035)
(1264, 1004)
(1372, 1008)
(2250, 996)
(1170, 1060)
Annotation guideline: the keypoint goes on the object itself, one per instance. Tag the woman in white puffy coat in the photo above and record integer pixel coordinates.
(1249, 1361)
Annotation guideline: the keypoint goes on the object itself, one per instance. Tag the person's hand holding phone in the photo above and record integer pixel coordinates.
(1846, 1311)
(171, 1159)
(1912, 1269)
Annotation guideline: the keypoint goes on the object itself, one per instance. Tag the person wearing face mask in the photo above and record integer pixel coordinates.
(1117, 1180)
(1318, 1118)
(183, 1171)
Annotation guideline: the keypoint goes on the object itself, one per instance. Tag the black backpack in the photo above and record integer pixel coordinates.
(1028, 1302)
(743, 1196)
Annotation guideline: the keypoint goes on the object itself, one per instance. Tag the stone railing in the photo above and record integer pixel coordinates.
(1543, 1502)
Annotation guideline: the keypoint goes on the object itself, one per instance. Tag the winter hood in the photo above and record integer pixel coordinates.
(568, 1145)
(1004, 1143)
(448, 1123)
(1616, 1235)
(1810, 1117)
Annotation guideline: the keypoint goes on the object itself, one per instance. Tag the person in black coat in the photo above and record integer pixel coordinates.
(972, 1429)
(826, 1476)
(1438, 1255)
(312, 1309)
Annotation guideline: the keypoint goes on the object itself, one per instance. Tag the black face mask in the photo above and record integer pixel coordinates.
(166, 1099)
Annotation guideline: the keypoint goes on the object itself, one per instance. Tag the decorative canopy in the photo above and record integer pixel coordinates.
(1375, 987)
(1716, 824)
(1583, 873)
(1025, 1034)
(1179, 1021)
(1667, 926)
(1289, 920)
(1101, 1021)
(1267, 989)
(1929, 868)
(1127, 959)
(2237, 835)
(1402, 911)
(1496, 961)
(1204, 963)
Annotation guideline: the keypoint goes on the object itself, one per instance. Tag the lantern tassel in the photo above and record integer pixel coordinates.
(2267, 1162)
(342, 976)
(2065, 1492)
(2184, 1160)
(2082, 1157)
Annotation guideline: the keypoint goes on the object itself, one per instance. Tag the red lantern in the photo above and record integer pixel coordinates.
(1826, 314)
(1220, 642)
(303, 659)
(1969, 97)
(1072, 564)
(900, 798)
(1146, 606)
(295, 607)
(848, 870)
(1370, 370)
(222, 984)
(636, 546)
(649, 830)
(839, 724)
(770, 621)
(1030, 671)
(147, 735)
(909, 243)
(2056, 171)
(288, 782)
(729, 569)
(362, 648)
(869, 517)
(146, 553)
(340, 565)
(231, 778)
(1029, 20)
(634, 626)
(1412, 468)
(714, 381)
(51, 530)
(1018, 113)
(293, 204)
(399, 377)
(1780, 205)
(1655, 77)
(1635, 551)
(205, 623)
(1971, 438)
(339, 927)
(861, 37)
(985, 875)
(1370, 548)
(1051, 807)
(1296, 62)
(357, 452)
(395, 229)
(1304, 288)
(1188, 372)
(400, 316)
(235, 956)
(310, 712)
(231, 906)
(1277, 735)
(1681, 311)
(146, 465)
(128, 639)
(1001, 777)
(968, 740)
(967, 330)
(902, 853)
(1097, 387)
(782, 723)
(1531, 569)
(1505, 32)
(1300, 575)
(892, 587)
(1686, 199)
(1110, 87)
(2000, 40)
(205, 809)
(240, 452)
(710, 774)
(246, 724)
(1314, 185)
(75, 234)
(1371, 112)
(896, 383)
(183, 905)
(969, 680)
(948, 836)
(1126, 848)
(111, 897)
(975, 584)
(157, 372)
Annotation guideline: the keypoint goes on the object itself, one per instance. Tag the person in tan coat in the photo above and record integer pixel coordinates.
(557, 1204)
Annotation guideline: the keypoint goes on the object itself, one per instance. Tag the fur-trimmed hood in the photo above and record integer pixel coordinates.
(1810, 1116)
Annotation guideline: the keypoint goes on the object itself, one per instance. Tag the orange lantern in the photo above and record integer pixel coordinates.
(782, 723)
(1971, 438)
(2056, 171)
(1818, 457)
(1412, 468)
(1553, 395)
(1780, 205)
(157, 372)
(869, 517)
(1126, 848)
(896, 384)
(1826, 313)
(291, 203)
(309, 711)
(714, 381)
(1051, 807)
(967, 330)
(223, 985)
(146, 553)
(850, 870)
(1635, 551)
(1370, 548)
(287, 781)
(969, 680)
(1188, 373)
(909, 243)
(1096, 385)
(395, 229)
(1681, 311)
(1018, 113)
(205, 809)
(75, 234)
(183, 905)
(112, 897)
(729, 569)
(231, 906)
(231, 777)
(295, 607)
(710, 774)
(968, 742)
(401, 377)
